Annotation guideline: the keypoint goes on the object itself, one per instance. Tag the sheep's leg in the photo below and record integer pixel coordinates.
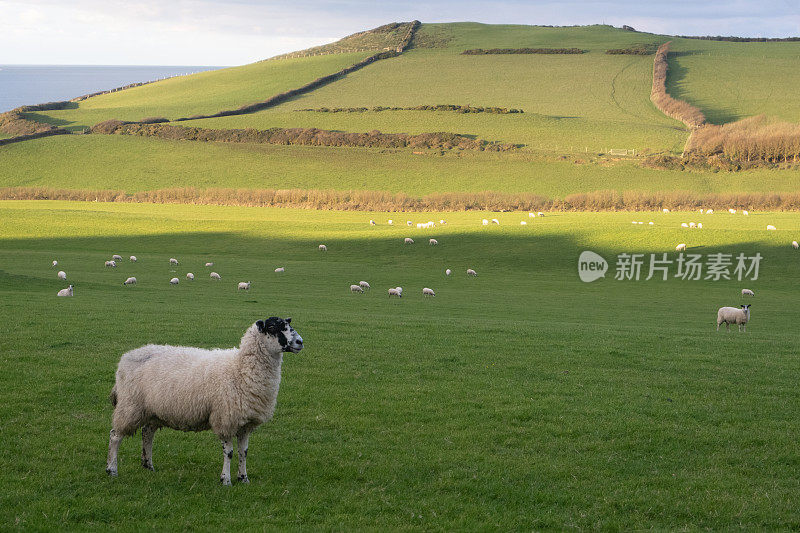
(227, 452)
(242, 438)
(148, 432)
(113, 448)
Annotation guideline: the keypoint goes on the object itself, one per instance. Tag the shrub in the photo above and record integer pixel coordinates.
(481, 51)
(677, 109)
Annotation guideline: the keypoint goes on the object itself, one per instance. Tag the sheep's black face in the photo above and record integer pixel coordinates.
(282, 330)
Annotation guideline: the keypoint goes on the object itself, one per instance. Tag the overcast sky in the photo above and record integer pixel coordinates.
(234, 32)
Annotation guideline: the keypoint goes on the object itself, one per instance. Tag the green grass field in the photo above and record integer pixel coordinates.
(520, 399)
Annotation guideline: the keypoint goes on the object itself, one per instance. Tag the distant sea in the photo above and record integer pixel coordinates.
(37, 84)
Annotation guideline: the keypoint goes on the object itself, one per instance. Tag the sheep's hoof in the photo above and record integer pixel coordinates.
(148, 466)
(225, 481)
(244, 479)
(112, 473)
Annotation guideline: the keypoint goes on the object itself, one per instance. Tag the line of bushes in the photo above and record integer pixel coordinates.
(751, 140)
(604, 200)
(440, 107)
(302, 136)
(637, 50)
(677, 109)
(482, 51)
(15, 124)
(734, 39)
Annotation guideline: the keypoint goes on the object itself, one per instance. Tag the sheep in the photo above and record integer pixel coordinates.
(699, 225)
(665, 210)
(112, 264)
(709, 211)
(116, 257)
(495, 221)
(190, 276)
(770, 227)
(428, 292)
(356, 288)
(65, 292)
(323, 248)
(395, 292)
(681, 247)
(399, 289)
(634, 222)
(692, 225)
(209, 264)
(433, 242)
(129, 281)
(371, 222)
(448, 272)
(62, 275)
(280, 269)
(651, 223)
(485, 222)
(471, 272)
(539, 214)
(173, 261)
(55, 263)
(745, 212)
(364, 285)
(408, 223)
(747, 292)
(684, 225)
(734, 315)
(174, 281)
(523, 223)
(391, 222)
(795, 245)
(229, 391)
(409, 240)
(215, 276)
(732, 211)
(442, 222)
(133, 259)
(531, 215)
(243, 286)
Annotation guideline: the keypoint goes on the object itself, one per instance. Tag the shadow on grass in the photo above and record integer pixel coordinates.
(676, 75)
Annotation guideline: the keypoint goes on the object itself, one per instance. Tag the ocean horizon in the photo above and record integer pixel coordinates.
(38, 84)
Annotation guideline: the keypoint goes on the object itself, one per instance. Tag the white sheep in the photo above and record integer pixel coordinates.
(364, 285)
(323, 248)
(116, 257)
(531, 215)
(699, 225)
(173, 261)
(681, 247)
(732, 211)
(356, 288)
(409, 223)
(371, 222)
(65, 292)
(747, 292)
(428, 292)
(734, 315)
(485, 222)
(243, 286)
(692, 225)
(409, 240)
(55, 263)
(280, 269)
(684, 225)
(770, 227)
(442, 222)
(745, 212)
(229, 391)
(209, 264)
(174, 281)
(650, 223)
(433, 242)
(129, 281)
(471, 272)
(665, 210)
(523, 223)
(448, 272)
(190, 276)
(495, 221)
(709, 211)
(395, 292)
(62, 275)
(112, 264)
(216, 276)
(795, 245)
(634, 222)
(399, 289)
(539, 214)
(133, 259)
(391, 222)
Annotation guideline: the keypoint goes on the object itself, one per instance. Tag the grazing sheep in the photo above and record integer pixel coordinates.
(62, 275)
(243, 286)
(395, 292)
(485, 222)
(55, 263)
(650, 223)
(433, 242)
(209, 264)
(495, 221)
(770, 227)
(364, 285)
(428, 292)
(634, 222)
(190, 276)
(442, 222)
(409, 240)
(399, 289)
(216, 276)
(129, 281)
(745, 212)
(323, 248)
(734, 315)
(174, 281)
(665, 210)
(65, 292)
(116, 257)
(681, 247)
(112, 264)
(684, 225)
(531, 215)
(709, 211)
(523, 223)
(692, 225)
(795, 245)
(471, 272)
(231, 392)
(173, 261)
(391, 222)
(747, 292)
(356, 288)
(133, 259)
(371, 222)
(699, 225)
(448, 272)
(280, 269)
(732, 211)
(408, 223)
(539, 214)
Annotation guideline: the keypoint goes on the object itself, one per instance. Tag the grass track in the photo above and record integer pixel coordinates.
(522, 399)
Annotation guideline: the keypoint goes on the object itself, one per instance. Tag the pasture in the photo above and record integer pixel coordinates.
(520, 399)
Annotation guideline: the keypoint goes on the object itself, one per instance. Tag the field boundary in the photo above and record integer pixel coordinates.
(672, 107)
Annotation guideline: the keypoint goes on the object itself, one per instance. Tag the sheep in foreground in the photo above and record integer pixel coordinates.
(409, 240)
(55, 263)
(356, 288)
(133, 259)
(734, 315)
(428, 292)
(243, 286)
(215, 276)
(795, 245)
(395, 292)
(364, 285)
(190, 276)
(62, 275)
(129, 281)
(433, 242)
(747, 292)
(323, 248)
(229, 391)
(174, 281)
(770, 227)
(471, 272)
(65, 292)
(173, 261)
(448, 272)
(116, 257)
(112, 264)
(280, 269)
(681, 247)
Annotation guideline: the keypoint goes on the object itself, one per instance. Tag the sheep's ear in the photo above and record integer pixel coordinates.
(261, 327)
(288, 320)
